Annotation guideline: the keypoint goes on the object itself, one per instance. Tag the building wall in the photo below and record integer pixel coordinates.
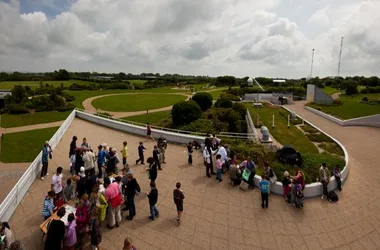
(316, 95)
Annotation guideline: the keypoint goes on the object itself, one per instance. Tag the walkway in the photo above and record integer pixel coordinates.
(30, 127)
(218, 216)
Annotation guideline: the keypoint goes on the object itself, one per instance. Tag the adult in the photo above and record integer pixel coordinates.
(6, 232)
(111, 164)
(124, 153)
(48, 206)
(56, 231)
(149, 131)
(324, 176)
(101, 159)
(113, 197)
(73, 146)
(235, 174)
(56, 181)
(249, 165)
(81, 183)
(84, 143)
(156, 156)
(70, 235)
(46, 153)
(297, 178)
(131, 190)
(207, 162)
(224, 156)
(152, 169)
(88, 158)
(211, 153)
(162, 145)
(78, 160)
(268, 171)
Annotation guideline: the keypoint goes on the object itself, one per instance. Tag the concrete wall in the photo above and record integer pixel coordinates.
(370, 121)
(269, 97)
(316, 95)
(251, 127)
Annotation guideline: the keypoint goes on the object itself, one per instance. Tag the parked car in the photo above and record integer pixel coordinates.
(289, 155)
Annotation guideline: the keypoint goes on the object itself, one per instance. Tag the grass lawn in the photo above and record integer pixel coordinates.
(36, 84)
(217, 92)
(137, 82)
(9, 120)
(24, 146)
(154, 118)
(330, 90)
(284, 135)
(136, 102)
(352, 106)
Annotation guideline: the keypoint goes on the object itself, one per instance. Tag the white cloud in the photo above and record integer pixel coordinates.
(236, 37)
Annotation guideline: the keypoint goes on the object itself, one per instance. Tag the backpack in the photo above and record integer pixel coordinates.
(332, 196)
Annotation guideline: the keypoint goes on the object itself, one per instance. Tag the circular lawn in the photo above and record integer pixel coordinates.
(136, 102)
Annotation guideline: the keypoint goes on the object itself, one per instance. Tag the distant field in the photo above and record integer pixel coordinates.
(154, 118)
(137, 102)
(137, 82)
(330, 90)
(24, 146)
(36, 84)
(10, 121)
(352, 106)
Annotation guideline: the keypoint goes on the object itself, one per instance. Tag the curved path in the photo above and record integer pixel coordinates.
(87, 104)
(219, 216)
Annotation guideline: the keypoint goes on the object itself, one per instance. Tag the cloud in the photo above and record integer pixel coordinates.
(234, 37)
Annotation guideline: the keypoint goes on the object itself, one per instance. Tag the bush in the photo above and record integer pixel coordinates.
(241, 109)
(200, 125)
(364, 91)
(68, 107)
(352, 88)
(230, 97)
(223, 103)
(309, 129)
(319, 137)
(68, 98)
(43, 103)
(17, 109)
(312, 163)
(185, 112)
(203, 99)
(332, 148)
(337, 102)
(117, 85)
(77, 86)
(244, 148)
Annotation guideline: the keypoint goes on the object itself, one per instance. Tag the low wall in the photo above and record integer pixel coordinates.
(16, 195)
(139, 130)
(251, 127)
(315, 189)
(370, 121)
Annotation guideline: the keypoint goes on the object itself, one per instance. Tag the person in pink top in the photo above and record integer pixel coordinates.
(70, 235)
(219, 167)
(113, 196)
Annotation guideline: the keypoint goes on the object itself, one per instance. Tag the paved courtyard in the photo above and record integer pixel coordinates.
(218, 216)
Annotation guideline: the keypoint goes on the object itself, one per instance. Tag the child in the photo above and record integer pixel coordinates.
(338, 177)
(299, 196)
(286, 186)
(190, 153)
(264, 187)
(140, 150)
(149, 132)
(219, 167)
(86, 201)
(82, 221)
(68, 191)
(96, 234)
(128, 245)
(58, 201)
(178, 197)
(48, 207)
(70, 235)
(153, 197)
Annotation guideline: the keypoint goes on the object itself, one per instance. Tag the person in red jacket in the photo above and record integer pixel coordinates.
(82, 217)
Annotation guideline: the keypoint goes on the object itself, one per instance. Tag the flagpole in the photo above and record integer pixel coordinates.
(312, 63)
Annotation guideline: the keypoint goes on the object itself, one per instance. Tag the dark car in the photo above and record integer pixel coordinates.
(289, 155)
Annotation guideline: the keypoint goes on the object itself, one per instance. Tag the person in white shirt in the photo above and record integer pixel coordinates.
(56, 182)
(88, 162)
(207, 162)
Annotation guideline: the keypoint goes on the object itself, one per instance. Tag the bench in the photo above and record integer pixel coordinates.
(258, 105)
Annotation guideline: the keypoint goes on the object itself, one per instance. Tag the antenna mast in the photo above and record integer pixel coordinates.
(340, 55)
(312, 63)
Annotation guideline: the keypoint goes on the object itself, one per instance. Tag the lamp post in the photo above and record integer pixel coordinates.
(273, 121)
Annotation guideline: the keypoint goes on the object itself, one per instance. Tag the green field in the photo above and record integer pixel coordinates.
(216, 93)
(24, 146)
(352, 106)
(154, 118)
(138, 102)
(330, 90)
(9, 120)
(36, 84)
(284, 135)
(136, 82)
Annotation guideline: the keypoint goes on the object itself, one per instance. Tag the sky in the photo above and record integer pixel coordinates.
(271, 38)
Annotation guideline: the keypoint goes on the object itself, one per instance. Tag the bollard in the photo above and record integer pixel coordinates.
(288, 121)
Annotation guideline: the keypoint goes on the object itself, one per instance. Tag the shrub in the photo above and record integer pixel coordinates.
(69, 106)
(17, 109)
(230, 97)
(319, 137)
(117, 85)
(364, 91)
(337, 101)
(78, 86)
(200, 125)
(244, 148)
(241, 109)
(312, 163)
(309, 129)
(43, 103)
(223, 103)
(69, 98)
(332, 148)
(203, 99)
(185, 112)
(352, 88)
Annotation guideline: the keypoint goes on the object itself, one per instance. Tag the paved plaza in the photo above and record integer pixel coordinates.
(219, 216)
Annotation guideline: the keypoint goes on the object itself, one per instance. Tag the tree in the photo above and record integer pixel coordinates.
(122, 75)
(223, 103)
(185, 112)
(18, 93)
(351, 88)
(225, 80)
(203, 99)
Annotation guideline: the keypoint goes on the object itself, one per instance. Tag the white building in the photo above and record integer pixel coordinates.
(250, 82)
(279, 81)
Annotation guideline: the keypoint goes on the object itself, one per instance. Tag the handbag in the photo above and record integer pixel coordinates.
(50, 156)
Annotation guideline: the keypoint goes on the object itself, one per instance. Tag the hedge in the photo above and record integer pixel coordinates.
(17, 109)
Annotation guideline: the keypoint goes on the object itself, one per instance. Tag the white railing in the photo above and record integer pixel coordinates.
(251, 127)
(16, 195)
